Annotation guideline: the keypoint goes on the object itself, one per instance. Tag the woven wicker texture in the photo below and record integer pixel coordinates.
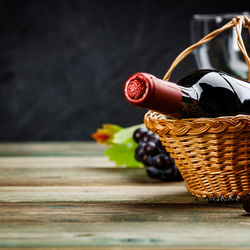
(212, 154)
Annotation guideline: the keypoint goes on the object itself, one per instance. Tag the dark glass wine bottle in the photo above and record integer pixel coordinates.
(203, 93)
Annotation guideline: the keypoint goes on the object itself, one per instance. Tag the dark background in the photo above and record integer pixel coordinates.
(63, 63)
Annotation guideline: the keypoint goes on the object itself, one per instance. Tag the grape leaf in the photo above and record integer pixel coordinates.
(126, 134)
(105, 134)
(123, 154)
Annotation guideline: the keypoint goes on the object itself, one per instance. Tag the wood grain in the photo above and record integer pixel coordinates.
(81, 212)
(100, 194)
(122, 233)
(77, 176)
(134, 248)
(56, 162)
(51, 149)
(71, 201)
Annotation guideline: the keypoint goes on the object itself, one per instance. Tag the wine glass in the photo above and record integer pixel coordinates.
(222, 52)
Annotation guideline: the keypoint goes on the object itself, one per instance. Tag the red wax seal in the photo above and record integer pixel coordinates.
(136, 89)
(147, 91)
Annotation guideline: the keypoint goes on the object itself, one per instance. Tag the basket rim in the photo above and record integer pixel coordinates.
(162, 124)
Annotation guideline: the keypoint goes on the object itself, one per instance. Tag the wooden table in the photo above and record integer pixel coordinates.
(70, 195)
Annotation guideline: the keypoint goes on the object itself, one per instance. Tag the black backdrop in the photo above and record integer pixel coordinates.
(63, 63)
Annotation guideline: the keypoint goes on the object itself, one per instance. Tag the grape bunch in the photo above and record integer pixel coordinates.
(158, 162)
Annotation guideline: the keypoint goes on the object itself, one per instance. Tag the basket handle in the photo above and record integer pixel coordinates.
(238, 22)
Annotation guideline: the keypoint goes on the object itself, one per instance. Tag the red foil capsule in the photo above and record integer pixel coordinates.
(146, 91)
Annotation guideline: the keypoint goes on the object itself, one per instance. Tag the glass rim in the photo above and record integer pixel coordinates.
(206, 17)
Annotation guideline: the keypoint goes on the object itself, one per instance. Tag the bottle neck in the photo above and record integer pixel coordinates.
(146, 91)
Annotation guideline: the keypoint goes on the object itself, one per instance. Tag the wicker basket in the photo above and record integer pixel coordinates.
(212, 154)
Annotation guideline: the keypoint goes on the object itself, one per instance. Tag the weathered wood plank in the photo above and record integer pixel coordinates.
(143, 212)
(51, 149)
(132, 248)
(65, 234)
(167, 225)
(172, 192)
(74, 176)
(55, 162)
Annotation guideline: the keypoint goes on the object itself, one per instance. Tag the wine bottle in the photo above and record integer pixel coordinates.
(203, 93)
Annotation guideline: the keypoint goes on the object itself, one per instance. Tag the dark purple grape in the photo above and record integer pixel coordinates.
(161, 148)
(159, 144)
(178, 176)
(146, 138)
(154, 137)
(161, 161)
(169, 174)
(147, 160)
(139, 152)
(171, 161)
(151, 148)
(139, 133)
(153, 172)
